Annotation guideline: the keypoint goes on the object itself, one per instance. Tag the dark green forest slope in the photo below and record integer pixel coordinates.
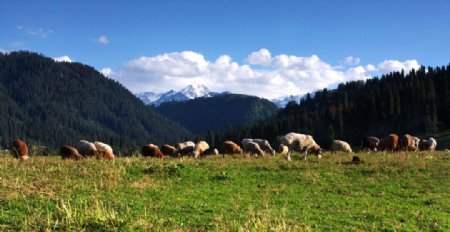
(416, 103)
(202, 114)
(54, 103)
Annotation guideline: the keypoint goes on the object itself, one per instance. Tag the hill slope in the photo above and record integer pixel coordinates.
(57, 103)
(202, 114)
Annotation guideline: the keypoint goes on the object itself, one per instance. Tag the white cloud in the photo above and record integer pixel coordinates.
(64, 58)
(103, 39)
(388, 66)
(281, 75)
(261, 57)
(107, 71)
(3, 51)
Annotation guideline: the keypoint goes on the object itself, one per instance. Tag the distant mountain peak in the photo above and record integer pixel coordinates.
(195, 90)
(189, 92)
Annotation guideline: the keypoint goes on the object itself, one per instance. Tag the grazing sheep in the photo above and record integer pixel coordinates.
(253, 148)
(292, 140)
(185, 148)
(407, 143)
(296, 141)
(151, 150)
(428, 144)
(302, 142)
(229, 147)
(389, 143)
(339, 145)
(200, 148)
(19, 149)
(86, 148)
(370, 143)
(104, 151)
(168, 150)
(68, 152)
(265, 145)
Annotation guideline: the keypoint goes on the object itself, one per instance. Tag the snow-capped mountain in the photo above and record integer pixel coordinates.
(283, 101)
(196, 91)
(190, 92)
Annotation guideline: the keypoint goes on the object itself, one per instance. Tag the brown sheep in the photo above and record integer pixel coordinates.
(407, 143)
(152, 151)
(68, 152)
(389, 143)
(168, 150)
(19, 149)
(229, 147)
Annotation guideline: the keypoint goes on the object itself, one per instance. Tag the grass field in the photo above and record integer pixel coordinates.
(389, 192)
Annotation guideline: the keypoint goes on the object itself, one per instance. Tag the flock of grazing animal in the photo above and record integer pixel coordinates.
(259, 147)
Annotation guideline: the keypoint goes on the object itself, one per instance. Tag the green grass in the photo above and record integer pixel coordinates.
(389, 192)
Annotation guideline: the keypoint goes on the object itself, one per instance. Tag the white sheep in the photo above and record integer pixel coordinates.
(200, 148)
(303, 142)
(253, 148)
(339, 145)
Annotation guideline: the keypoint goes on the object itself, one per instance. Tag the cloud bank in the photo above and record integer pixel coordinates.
(261, 74)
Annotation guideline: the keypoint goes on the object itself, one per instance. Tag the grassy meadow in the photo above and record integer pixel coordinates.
(389, 192)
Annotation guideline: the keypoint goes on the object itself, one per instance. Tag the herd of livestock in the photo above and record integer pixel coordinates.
(258, 147)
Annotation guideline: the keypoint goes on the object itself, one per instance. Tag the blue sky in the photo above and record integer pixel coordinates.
(310, 43)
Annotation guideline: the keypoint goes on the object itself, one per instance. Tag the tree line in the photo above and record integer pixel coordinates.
(415, 103)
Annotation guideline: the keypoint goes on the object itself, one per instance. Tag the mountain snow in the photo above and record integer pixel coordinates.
(190, 92)
(196, 91)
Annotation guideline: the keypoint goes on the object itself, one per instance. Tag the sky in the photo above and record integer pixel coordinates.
(265, 48)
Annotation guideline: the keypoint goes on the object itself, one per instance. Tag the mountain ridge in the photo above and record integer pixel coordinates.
(200, 115)
(56, 103)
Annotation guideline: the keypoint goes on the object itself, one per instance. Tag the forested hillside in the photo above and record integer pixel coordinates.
(220, 112)
(53, 103)
(416, 103)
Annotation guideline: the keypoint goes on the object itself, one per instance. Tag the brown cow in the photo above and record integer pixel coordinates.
(68, 152)
(152, 151)
(389, 143)
(229, 147)
(19, 149)
(168, 150)
(407, 143)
